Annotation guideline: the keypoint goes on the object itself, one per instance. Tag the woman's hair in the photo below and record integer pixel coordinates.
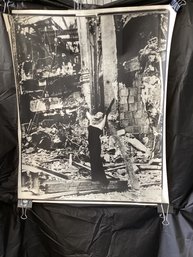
(97, 118)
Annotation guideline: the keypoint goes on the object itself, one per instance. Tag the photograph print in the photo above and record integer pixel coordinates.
(91, 96)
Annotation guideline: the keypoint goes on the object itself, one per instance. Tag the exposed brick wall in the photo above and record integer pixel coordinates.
(133, 117)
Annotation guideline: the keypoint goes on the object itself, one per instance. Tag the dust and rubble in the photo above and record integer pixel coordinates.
(61, 87)
(57, 144)
(59, 152)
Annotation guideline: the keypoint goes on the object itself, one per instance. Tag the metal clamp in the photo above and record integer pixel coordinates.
(165, 210)
(24, 205)
(78, 5)
(177, 4)
(6, 6)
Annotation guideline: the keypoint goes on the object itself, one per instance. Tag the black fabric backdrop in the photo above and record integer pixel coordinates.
(53, 230)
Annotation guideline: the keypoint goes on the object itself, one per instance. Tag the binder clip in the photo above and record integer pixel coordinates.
(177, 4)
(24, 205)
(6, 6)
(164, 210)
(78, 5)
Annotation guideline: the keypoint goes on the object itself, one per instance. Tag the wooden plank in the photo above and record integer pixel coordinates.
(38, 169)
(149, 167)
(150, 184)
(81, 165)
(116, 168)
(83, 186)
(56, 195)
(137, 144)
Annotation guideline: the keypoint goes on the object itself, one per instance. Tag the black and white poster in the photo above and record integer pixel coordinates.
(91, 89)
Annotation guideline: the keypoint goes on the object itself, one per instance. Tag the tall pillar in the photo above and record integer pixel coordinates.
(85, 53)
(109, 52)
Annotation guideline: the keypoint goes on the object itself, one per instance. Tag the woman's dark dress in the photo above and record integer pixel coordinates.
(94, 146)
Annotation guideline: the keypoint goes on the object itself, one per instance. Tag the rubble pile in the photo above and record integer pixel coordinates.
(55, 141)
(72, 160)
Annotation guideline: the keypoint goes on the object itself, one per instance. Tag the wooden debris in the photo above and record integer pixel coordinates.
(38, 169)
(155, 161)
(137, 144)
(149, 184)
(83, 186)
(116, 168)
(81, 165)
(149, 167)
(120, 132)
(128, 163)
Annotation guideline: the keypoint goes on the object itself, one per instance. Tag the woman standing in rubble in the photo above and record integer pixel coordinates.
(95, 130)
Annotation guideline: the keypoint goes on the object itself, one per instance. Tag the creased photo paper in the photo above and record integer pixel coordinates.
(91, 91)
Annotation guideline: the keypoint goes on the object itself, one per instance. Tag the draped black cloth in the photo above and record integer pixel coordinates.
(59, 230)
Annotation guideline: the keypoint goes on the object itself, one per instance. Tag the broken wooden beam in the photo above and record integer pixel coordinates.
(38, 169)
(150, 184)
(81, 165)
(135, 168)
(149, 167)
(137, 144)
(116, 168)
(82, 186)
